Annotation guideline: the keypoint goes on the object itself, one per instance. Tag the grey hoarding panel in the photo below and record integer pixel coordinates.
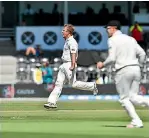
(8, 66)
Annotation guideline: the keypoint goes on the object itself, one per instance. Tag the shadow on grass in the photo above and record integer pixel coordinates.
(113, 126)
(59, 135)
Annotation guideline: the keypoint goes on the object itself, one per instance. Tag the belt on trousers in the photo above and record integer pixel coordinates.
(127, 66)
(65, 61)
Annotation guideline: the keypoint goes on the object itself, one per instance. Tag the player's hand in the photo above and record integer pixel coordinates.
(100, 65)
(71, 68)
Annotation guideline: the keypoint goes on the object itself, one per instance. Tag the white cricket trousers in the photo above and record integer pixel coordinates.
(127, 84)
(65, 75)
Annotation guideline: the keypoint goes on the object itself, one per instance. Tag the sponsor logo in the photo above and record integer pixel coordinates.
(94, 38)
(142, 90)
(28, 38)
(8, 91)
(76, 36)
(25, 91)
(49, 87)
(50, 38)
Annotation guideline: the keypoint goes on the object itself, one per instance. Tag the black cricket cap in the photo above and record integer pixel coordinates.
(114, 23)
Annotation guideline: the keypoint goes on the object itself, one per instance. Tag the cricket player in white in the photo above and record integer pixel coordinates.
(67, 71)
(127, 56)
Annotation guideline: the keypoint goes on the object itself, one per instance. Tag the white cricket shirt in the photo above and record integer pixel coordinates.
(70, 46)
(124, 51)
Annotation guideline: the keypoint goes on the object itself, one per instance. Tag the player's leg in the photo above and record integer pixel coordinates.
(53, 97)
(134, 97)
(90, 86)
(123, 85)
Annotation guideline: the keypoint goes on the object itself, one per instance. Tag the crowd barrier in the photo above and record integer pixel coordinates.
(43, 91)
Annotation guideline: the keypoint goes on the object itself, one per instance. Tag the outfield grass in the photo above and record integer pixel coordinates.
(74, 119)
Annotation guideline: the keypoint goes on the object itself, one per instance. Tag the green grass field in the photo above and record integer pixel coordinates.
(73, 119)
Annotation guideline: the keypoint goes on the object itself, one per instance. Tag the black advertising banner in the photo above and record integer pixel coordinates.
(43, 91)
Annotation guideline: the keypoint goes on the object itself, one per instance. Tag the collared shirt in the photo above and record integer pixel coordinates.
(70, 46)
(124, 51)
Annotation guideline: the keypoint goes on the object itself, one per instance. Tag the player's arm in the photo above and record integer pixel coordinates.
(73, 59)
(111, 55)
(73, 52)
(140, 53)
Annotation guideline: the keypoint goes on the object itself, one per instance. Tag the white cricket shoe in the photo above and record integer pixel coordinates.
(135, 124)
(50, 105)
(95, 91)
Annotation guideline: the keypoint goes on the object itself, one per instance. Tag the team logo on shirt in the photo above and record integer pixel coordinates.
(94, 38)
(50, 38)
(28, 38)
(76, 36)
